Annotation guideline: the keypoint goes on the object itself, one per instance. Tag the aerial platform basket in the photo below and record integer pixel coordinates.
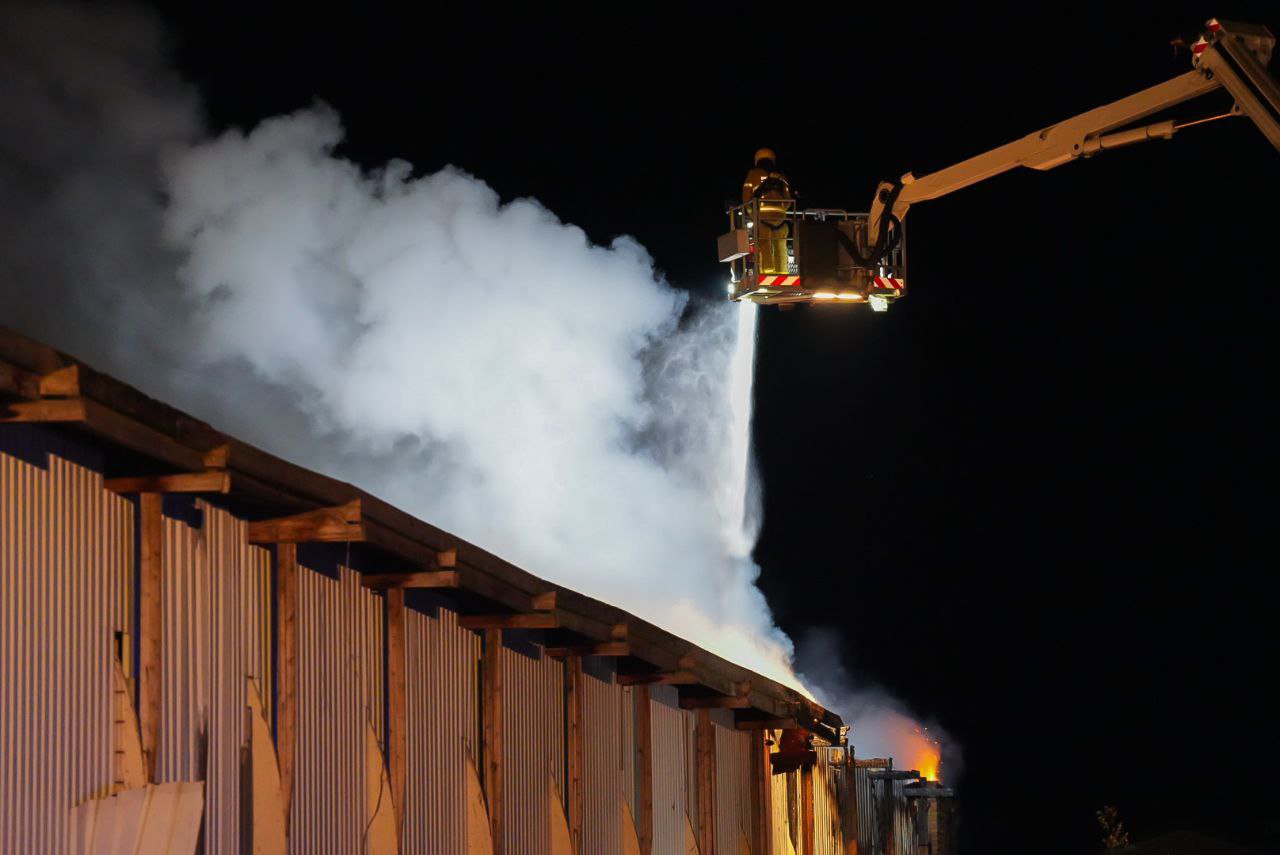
(779, 254)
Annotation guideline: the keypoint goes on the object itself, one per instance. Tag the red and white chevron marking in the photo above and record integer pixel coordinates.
(888, 283)
(778, 282)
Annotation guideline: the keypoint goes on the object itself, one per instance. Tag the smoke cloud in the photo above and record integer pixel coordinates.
(476, 361)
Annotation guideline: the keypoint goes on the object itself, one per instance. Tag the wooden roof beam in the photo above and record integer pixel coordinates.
(659, 678)
(212, 481)
(600, 648)
(342, 523)
(740, 699)
(536, 620)
(63, 383)
(17, 382)
(108, 424)
(716, 702)
(423, 579)
(765, 724)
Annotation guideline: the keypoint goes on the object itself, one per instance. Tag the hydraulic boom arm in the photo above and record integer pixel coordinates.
(1229, 56)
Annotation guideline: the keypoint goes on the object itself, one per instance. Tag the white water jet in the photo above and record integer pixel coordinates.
(741, 524)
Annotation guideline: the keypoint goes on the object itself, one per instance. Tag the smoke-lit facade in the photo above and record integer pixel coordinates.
(136, 539)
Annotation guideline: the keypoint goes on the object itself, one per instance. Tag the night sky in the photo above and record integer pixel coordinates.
(1038, 496)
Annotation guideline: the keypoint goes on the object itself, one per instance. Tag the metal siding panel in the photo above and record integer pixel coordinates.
(65, 569)
(868, 818)
(216, 634)
(533, 744)
(733, 787)
(828, 837)
(670, 730)
(444, 729)
(339, 628)
(608, 752)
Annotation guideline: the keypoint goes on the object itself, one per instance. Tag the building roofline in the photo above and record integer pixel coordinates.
(176, 452)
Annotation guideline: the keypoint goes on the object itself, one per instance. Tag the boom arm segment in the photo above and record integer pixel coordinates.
(1230, 56)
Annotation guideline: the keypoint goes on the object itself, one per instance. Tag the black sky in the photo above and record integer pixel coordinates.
(1038, 496)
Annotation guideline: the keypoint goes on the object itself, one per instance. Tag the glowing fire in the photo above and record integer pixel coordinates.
(926, 753)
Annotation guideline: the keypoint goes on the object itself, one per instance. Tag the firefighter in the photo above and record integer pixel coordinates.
(770, 192)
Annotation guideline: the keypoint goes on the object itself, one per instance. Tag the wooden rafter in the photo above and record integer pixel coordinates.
(599, 648)
(63, 383)
(659, 678)
(422, 579)
(210, 481)
(537, 620)
(716, 702)
(16, 382)
(765, 724)
(340, 523)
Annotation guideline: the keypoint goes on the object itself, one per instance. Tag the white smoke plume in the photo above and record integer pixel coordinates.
(882, 725)
(480, 363)
(475, 361)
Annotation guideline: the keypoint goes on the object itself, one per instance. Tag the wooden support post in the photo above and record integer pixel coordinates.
(849, 806)
(491, 726)
(150, 624)
(806, 808)
(573, 710)
(761, 793)
(397, 719)
(705, 737)
(644, 769)
(287, 668)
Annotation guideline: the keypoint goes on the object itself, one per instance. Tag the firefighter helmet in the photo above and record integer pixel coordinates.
(766, 154)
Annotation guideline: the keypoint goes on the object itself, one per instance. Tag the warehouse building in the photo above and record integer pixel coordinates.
(207, 645)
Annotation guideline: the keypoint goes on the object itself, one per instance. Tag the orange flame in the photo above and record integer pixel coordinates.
(926, 754)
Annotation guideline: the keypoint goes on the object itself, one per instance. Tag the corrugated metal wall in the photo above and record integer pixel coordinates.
(828, 838)
(785, 838)
(608, 758)
(868, 812)
(871, 813)
(67, 568)
(66, 549)
(671, 734)
(216, 633)
(340, 654)
(444, 728)
(733, 784)
(533, 745)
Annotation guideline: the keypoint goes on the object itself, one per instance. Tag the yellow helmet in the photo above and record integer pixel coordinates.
(766, 154)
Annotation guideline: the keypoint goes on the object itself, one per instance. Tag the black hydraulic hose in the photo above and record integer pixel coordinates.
(883, 243)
